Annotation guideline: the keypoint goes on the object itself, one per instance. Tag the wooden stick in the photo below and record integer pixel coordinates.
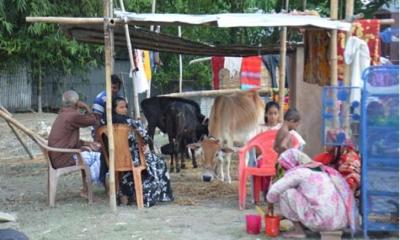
(210, 93)
(17, 134)
(349, 13)
(70, 20)
(333, 44)
(17, 124)
(282, 67)
(21, 141)
(180, 63)
(107, 52)
(132, 62)
(282, 72)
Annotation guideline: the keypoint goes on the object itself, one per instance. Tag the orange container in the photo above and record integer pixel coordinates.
(272, 224)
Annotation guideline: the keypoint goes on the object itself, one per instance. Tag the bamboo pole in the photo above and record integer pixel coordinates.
(132, 62)
(153, 10)
(70, 20)
(107, 52)
(16, 123)
(180, 63)
(17, 134)
(209, 93)
(333, 44)
(282, 67)
(111, 15)
(349, 14)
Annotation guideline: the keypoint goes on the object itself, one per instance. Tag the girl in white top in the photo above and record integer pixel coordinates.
(271, 118)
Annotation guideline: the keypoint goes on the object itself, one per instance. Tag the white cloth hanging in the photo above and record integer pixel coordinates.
(141, 83)
(356, 54)
(233, 64)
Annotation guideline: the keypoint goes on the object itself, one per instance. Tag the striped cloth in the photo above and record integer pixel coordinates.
(251, 73)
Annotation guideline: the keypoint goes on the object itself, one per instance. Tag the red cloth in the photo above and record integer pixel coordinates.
(251, 72)
(368, 30)
(349, 165)
(217, 64)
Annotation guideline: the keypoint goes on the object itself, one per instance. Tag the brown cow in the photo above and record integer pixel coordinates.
(233, 118)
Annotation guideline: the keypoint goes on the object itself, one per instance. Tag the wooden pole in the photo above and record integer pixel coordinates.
(333, 44)
(132, 61)
(180, 63)
(304, 5)
(40, 109)
(70, 20)
(111, 15)
(17, 134)
(282, 67)
(153, 10)
(349, 14)
(209, 93)
(107, 52)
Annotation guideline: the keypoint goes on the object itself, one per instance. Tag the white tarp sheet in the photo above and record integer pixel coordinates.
(227, 20)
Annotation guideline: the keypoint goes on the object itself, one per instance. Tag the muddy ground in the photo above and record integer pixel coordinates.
(200, 210)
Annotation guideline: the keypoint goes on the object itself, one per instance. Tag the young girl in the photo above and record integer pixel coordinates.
(272, 116)
(156, 182)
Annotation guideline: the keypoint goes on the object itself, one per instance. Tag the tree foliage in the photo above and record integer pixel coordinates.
(44, 46)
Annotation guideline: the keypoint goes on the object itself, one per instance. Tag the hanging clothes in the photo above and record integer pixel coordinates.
(251, 72)
(316, 50)
(367, 30)
(233, 64)
(271, 62)
(141, 83)
(147, 64)
(356, 54)
(217, 64)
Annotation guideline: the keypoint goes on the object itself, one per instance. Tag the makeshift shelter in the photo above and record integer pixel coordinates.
(110, 25)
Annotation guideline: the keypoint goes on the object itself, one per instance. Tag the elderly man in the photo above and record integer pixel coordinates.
(74, 115)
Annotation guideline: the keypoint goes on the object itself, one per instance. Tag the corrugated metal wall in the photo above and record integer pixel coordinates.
(16, 89)
(88, 85)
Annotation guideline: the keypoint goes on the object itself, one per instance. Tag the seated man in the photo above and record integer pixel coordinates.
(73, 115)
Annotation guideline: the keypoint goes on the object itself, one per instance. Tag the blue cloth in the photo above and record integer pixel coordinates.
(99, 104)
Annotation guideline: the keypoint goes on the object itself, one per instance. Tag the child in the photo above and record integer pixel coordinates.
(284, 138)
(272, 116)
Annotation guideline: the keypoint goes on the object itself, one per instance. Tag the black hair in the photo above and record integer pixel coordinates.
(268, 106)
(115, 80)
(292, 115)
(115, 102)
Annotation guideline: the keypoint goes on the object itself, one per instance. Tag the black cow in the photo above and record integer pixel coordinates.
(180, 118)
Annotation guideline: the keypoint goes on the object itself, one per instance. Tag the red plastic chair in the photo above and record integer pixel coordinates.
(265, 143)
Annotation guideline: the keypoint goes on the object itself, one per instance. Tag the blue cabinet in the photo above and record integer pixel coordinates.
(379, 144)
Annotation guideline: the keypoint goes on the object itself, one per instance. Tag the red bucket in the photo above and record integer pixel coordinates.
(272, 224)
(253, 224)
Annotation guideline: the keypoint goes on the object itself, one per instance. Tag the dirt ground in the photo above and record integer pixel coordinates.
(200, 210)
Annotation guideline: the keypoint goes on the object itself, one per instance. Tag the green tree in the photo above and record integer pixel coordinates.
(43, 46)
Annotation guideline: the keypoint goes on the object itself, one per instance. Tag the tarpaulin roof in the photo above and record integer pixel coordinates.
(226, 20)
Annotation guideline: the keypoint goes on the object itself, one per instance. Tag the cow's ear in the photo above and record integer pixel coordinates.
(194, 146)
